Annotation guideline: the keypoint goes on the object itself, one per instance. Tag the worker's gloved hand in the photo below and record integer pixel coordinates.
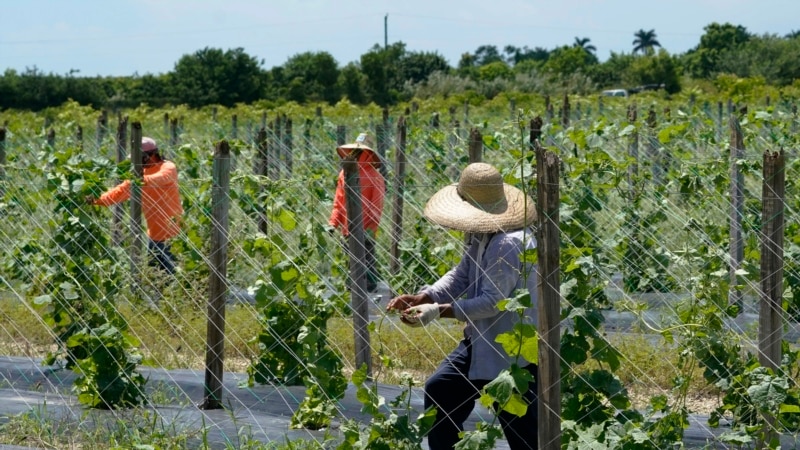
(421, 315)
(330, 229)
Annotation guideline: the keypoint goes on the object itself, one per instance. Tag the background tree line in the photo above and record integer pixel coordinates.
(386, 75)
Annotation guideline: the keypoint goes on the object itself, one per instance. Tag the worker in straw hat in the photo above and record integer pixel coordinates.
(498, 218)
(373, 191)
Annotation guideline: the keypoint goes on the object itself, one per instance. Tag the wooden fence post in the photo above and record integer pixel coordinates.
(288, 147)
(475, 146)
(549, 296)
(382, 138)
(633, 151)
(102, 128)
(122, 153)
(452, 144)
(51, 138)
(2, 160)
(341, 135)
(217, 285)
(399, 190)
(173, 132)
(358, 269)
(737, 210)
(277, 149)
(136, 229)
(657, 168)
(770, 319)
(234, 126)
(79, 137)
(262, 163)
(773, 200)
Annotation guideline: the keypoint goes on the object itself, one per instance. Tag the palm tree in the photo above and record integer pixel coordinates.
(645, 41)
(584, 44)
(793, 34)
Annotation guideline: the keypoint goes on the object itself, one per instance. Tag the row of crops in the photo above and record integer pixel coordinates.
(645, 229)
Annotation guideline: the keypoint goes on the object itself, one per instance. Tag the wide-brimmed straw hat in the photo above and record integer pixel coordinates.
(481, 203)
(364, 141)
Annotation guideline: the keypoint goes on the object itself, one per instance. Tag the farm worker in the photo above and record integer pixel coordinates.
(373, 190)
(498, 218)
(161, 203)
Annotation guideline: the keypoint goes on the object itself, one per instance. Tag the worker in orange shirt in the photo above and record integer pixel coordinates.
(373, 190)
(161, 203)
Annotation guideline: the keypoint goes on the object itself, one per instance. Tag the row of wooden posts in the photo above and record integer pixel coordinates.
(281, 127)
(548, 236)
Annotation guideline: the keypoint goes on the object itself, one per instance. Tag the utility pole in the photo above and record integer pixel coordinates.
(386, 31)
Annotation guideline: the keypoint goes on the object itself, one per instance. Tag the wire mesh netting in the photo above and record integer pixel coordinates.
(662, 225)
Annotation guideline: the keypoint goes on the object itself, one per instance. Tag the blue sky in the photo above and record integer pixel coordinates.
(127, 37)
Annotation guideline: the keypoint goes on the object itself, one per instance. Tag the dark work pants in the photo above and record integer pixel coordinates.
(161, 256)
(454, 396)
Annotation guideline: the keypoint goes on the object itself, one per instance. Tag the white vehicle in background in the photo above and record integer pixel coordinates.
(615, 93)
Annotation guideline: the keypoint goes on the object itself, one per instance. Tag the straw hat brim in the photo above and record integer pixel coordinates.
(355, 146)
(448, 209)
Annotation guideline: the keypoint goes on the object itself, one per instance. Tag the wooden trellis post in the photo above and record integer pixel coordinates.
(399, 190)
(234, 126)
(358, 268)
(549, 295)
(173, 132)
(262, 163)
(122, 153)
(2, 160)
(341, 135)
(633, 151)
(217, 285)
(382, 140)
(79, 137)
(475, 146)
(102, 128)
(773, 204)
(737, 210)
(288, 146)
(770, 318)
(51, 138)
(656, 162)
(277, 148)
(136, 228)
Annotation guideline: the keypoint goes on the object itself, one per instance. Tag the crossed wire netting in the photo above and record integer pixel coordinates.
(300, 182)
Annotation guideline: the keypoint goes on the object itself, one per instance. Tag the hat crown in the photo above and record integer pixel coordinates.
(481, 185)
(148, 144)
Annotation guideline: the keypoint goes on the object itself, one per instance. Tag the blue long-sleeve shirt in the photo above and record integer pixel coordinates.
(489, 271)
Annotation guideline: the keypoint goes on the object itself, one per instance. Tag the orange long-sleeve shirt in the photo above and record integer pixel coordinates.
(161, 201)
(373, 191)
